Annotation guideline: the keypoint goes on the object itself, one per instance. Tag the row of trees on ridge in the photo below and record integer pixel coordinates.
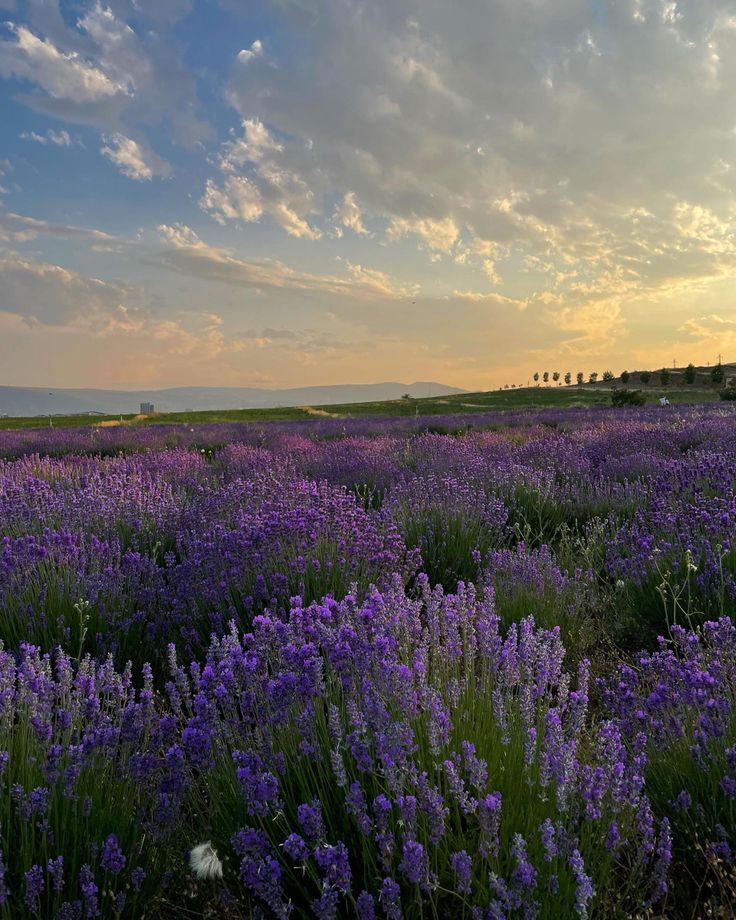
(690, 376)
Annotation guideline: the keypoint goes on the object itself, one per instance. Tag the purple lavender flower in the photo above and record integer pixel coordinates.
(4, 890)
(55, 868)
(334, 864)
(583, 886)
(413, 862)
(260, 870)
(547, 833)
(462, 866)
(389, 899)
(310, 818)
(365, 906)
(90, 892)
(34, 886)
(112, 859)
(296, 849)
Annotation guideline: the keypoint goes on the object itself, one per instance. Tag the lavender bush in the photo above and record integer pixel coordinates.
(360, 668)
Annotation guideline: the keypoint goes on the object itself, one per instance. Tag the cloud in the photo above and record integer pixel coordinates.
(57, 138)
(20, 228)
(102, 72)
(348, 215)
(189, 255)
(132, 159)
(62, 75)
(47, 294)
(247, 54)
(582, 150)
(712, 331)
(44, 296)
(258, 181)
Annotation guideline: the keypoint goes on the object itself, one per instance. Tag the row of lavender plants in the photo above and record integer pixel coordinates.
(370, 670)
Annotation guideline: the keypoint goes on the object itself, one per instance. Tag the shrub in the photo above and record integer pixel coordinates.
(411, 754)
(607, 375)
(716, 375)
(728, 394)
(625, 376)
(88, 798)
(627, 398)
(645, 376)
(447, 518)
(664, 376)
(690, 373)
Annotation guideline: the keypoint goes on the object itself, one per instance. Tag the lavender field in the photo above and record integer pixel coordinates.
(477, 667)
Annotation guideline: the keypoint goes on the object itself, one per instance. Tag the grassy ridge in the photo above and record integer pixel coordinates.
(522, 398)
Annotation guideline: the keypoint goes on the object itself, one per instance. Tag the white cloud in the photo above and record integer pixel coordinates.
(132, 160)
(20, 228)
(102, 72)
(551, 155)
(54, 296)
(349, 215)
(436, 234)
(189, 255)
(58, 138)
(258, 181)
(62, 75)
(247, 54)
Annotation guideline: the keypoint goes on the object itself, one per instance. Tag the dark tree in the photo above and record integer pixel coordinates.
(716, 375)
(625, 376)
(645, 376)
(627, 398)
(607, 375)
(580, 377)
(593, 377)
(545, 376)
(690, 373)
(536, 377)
(568, 378)
(664, 376)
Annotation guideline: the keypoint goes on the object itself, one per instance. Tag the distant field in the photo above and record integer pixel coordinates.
(522, 398)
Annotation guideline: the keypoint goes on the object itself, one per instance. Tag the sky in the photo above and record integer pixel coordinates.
(300, 192)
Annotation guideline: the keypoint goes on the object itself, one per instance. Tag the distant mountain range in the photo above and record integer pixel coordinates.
(31, 401)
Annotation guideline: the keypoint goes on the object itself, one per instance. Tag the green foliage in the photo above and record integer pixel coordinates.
(580, 376)
(728, 394)
(89, 797)
(627, 398)
(690, 373)
(625, 376)
(607, 375)
(593, 376)
(664, 376)
(716, 375)
(645, 376)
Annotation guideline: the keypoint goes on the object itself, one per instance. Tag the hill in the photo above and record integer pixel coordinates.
(42, 401)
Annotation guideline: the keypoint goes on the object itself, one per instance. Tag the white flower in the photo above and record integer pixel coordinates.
(205, 862)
